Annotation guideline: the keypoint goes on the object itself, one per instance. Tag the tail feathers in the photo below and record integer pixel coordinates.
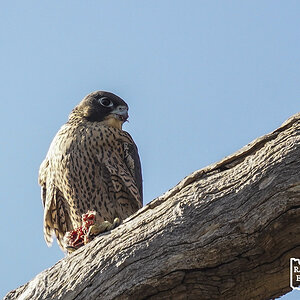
(48, 235)
(56, 221)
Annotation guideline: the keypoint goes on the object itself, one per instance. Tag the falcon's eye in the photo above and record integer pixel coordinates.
(106, 102)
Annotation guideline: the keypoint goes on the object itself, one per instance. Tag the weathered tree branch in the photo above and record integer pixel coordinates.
(224, 232)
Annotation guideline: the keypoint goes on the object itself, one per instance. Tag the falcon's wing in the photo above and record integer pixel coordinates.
(133, 163)
(126, 167)
(56, 218)
(42, 179)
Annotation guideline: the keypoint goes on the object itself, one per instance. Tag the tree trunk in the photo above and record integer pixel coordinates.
(224, 232)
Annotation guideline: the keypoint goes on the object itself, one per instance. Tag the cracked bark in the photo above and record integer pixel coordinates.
(224, 232)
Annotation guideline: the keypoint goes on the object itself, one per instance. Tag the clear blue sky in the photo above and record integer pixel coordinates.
(202, 79)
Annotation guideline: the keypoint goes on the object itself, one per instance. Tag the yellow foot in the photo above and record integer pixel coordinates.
(96, 229)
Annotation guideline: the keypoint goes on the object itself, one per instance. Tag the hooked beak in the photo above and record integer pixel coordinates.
(120, 112)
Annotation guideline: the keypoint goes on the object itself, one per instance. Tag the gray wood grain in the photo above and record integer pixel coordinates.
(224, 232)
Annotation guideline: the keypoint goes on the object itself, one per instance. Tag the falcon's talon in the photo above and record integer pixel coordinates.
(116, 223)
(71, 249)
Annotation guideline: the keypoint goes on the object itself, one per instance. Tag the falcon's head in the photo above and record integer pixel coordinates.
(103, 107)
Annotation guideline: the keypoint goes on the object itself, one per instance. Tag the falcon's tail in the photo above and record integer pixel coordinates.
(56, 220)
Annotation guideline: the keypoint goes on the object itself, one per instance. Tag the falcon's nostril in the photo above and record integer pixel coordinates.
(122, 108)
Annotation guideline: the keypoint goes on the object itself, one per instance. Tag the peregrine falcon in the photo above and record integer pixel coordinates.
(92, 164)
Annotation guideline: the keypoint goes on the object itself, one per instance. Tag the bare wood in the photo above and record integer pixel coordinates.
(224, 232)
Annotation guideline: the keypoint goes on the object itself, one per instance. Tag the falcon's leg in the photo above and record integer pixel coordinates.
(96, 229)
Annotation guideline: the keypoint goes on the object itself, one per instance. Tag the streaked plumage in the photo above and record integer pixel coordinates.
(92, 164)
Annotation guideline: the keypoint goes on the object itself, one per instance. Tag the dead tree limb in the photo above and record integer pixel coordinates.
(224, 232)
